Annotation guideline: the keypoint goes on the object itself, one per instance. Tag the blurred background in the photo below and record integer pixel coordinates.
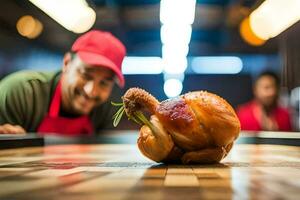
(173, 46)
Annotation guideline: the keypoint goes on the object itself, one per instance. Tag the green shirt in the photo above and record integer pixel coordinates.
(25, 98)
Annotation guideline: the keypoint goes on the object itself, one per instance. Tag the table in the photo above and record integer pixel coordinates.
(119, 171)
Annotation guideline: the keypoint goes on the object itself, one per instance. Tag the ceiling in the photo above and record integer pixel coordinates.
(136, 23)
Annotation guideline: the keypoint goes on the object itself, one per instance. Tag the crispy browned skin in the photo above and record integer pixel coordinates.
(136, 99)
(198, 127)
(199, 119)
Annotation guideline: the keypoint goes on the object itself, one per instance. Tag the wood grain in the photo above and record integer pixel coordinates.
(121, 172)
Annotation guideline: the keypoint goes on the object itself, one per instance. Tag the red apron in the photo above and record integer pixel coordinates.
(55, 124)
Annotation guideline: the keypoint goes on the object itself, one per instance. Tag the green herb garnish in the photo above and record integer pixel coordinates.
(118, 115)
(138, 117)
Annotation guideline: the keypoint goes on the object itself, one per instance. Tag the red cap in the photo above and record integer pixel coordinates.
(102, 49)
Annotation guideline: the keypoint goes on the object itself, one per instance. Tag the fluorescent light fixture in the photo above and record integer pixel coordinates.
(175, 50)
(217, 65)
(172, 87)
(174, 76)
(142, 65)
(273, 17)
(177, 11)
(73, 15)
(171, 34)
(176, 65)
(176, 17)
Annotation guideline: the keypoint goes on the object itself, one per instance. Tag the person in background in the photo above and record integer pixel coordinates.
(71, 102)
(264, 112)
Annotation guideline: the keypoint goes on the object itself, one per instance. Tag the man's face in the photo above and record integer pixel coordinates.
(84, 86)
(266, 91)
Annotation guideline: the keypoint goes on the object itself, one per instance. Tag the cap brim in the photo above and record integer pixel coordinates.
(102, 61)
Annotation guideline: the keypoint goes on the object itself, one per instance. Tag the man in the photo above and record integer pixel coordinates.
(264, 112)
(71, 102)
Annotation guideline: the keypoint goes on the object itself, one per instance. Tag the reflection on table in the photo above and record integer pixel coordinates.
(119, 171)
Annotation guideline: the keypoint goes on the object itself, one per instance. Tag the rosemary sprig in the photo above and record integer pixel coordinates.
(118, 115)
(133, 118)
(117, 104)
(138, 117)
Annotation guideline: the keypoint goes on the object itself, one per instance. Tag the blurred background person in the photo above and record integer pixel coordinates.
(264, 112)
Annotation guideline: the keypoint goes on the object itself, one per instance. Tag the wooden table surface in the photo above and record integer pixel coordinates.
(119, 171)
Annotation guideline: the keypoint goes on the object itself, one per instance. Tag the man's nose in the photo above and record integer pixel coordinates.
(90, 89)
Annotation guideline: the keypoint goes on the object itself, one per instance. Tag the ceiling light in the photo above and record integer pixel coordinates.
(74, 15)
(29, 27)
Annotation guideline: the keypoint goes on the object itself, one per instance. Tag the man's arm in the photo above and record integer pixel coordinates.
(11, 129)
(13, 105)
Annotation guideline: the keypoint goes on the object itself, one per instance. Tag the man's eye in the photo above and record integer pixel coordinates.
(104, 83)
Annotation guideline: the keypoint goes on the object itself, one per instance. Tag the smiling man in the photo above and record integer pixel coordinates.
(71, 102)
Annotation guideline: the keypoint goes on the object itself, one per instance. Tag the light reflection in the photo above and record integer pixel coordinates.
(177, 11)
(142, 65)
(217, 65)
(172, 87)
(176, 65)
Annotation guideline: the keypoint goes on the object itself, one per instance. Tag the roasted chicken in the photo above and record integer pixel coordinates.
(197, 127)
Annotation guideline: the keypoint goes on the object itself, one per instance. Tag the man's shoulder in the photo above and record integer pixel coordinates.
(27, 76)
